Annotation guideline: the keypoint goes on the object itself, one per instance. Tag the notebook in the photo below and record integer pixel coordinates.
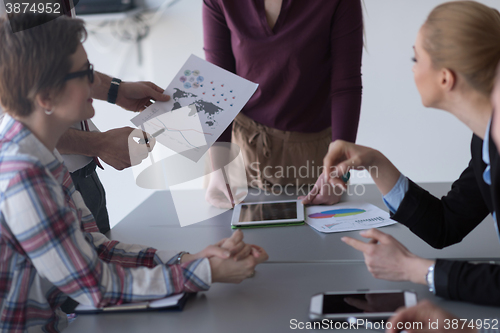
(171, 303)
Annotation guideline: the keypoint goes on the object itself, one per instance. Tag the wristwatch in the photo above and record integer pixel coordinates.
(179, 257)
(429, 277)
(113, 90)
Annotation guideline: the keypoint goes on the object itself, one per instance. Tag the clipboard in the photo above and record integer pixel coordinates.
(171, 303)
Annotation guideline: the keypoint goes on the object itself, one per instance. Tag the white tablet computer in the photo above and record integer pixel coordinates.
(268, 214)
(372, 305)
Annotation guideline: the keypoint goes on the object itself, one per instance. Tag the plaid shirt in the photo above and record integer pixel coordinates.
(50, 247)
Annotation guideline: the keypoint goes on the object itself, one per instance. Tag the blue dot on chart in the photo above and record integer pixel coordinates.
(222, 94)
(213, 88)
(187, 85)
(201, 85)
(196, 85)
(196, 72)
(217, 102)
(187, 72)
(231, 105)
(200, 78)
(191, 79)
(183, 79)
(230, 91)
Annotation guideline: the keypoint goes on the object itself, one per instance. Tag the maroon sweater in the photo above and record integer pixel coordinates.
(308, 66)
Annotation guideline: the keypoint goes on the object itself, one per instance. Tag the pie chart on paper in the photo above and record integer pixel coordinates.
(337, 213)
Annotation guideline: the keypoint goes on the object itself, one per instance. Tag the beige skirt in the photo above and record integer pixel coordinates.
(275, 157)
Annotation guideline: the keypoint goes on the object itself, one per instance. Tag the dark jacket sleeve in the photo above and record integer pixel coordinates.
(475, 283)
(446, 221)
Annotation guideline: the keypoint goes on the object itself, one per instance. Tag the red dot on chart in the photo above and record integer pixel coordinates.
(225, 99)
(222, 85)
(213, 95)
(212, 82)
(234, 97)
(203, 93)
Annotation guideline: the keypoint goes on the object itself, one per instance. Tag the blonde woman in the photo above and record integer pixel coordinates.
(456, 54)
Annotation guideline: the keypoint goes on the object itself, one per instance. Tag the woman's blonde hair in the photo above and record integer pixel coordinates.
(464, 36)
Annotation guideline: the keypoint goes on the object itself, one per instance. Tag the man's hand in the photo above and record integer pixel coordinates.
(132, 96)
(136, 96)
(119, 149)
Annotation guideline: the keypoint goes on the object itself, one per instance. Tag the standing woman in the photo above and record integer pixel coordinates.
(306, 58)
(456, 54)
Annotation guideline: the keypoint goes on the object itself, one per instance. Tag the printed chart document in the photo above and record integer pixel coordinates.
(204, 101)
(347, 216)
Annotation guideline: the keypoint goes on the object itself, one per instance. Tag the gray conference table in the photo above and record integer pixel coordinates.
(277, 294)
(302, 263)
(154, 223)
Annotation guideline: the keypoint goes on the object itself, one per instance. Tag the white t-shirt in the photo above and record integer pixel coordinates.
(73, 162)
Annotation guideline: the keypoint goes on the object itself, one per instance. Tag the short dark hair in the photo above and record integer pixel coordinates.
(35, 59)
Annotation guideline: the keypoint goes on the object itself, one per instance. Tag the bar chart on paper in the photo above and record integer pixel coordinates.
(347, 216)
(337, 213)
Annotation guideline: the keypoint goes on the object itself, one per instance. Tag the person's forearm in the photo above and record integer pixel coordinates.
(383, 172)
(78, 142)
(100, 91)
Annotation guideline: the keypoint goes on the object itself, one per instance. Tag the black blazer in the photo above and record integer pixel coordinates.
(446, 221)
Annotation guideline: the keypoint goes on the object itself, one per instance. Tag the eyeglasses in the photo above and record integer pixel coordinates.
(89, 72)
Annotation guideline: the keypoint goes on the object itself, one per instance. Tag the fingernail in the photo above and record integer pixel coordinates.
(363, 232)
(343, 239)
(227, 254)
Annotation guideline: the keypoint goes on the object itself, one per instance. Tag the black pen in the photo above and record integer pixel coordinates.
(154, 135)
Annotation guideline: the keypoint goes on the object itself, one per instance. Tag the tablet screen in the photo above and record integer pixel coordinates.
(363, 303)
(268, 212)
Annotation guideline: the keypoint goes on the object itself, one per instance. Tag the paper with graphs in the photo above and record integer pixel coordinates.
(346, 216)
(205, 99)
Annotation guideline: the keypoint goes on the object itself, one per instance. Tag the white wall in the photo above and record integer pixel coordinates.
(427, 145)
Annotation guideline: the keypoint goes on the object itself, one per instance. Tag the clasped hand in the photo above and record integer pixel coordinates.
(231, 260)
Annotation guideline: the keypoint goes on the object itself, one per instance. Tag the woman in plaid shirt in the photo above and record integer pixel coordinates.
(50, 247)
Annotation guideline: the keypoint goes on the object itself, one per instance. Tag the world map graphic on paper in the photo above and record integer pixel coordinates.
(205, 99)
(209, 110)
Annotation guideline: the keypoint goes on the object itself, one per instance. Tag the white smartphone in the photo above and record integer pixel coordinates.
(359, 304)
(270, 213)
